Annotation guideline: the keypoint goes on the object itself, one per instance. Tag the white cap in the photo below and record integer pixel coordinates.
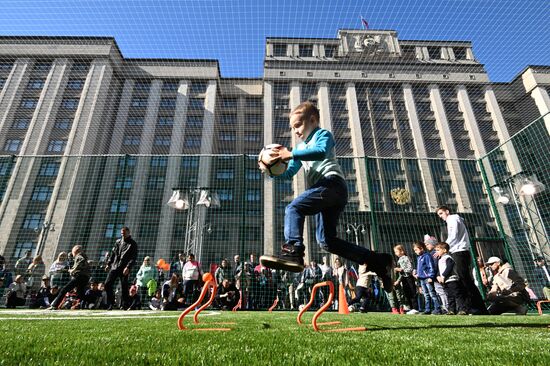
(493, 260)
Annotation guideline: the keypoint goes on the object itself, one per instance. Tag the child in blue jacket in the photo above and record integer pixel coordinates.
(425, 272)
(325, 198)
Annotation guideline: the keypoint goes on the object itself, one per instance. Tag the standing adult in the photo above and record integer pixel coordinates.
(122, 258)
(177, 265)
(543, 276)
(191, 274)
(59, 270)
(459, 247)
(80, 275)
(23, 264)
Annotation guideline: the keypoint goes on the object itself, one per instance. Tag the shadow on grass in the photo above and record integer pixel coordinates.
(460, 326)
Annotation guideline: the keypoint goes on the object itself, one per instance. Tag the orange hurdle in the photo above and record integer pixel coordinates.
(539, 305)
(322, 309)
(209, 284)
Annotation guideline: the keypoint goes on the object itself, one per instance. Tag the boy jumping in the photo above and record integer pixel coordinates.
(325, 198)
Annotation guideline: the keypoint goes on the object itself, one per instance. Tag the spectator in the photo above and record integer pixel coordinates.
(17, 293)
(23, 263)
(191, 274)
(430, 243)
(223, 272)
(43, 295)
(449, 279)
(426, 274)
(404, 285)
(253, 260)
(121, 260)
(93, 297)
(247, 278)
(134, 302)
(508, 289)
(236, 266)
(80, 275)
(172, 294)
(146, 273)
(227, 296)
(177, 265)
(5, 275)
(104, 304)
(59, 270)
(313, 275)
(35, 271)
(485, 274)
(532, 296)
(362, 289)
(156, 301)
(543, 276)
(339, 277)
(459, 244)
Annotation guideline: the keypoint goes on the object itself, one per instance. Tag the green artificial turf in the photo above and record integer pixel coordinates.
(261, 338)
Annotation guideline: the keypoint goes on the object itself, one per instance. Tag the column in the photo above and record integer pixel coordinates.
(542, 100)
(164, 237)
(269, 245)
(324, 106)
(425, 171)
(358, 148)
(457, 180)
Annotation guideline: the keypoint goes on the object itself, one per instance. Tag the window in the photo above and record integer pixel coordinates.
(112, 230)
(75, 84)
(5, 168)
(57, 145)
(168, 103)
(198, 87)
(29, 103)
(170, 86)
(42, 193)
(159, 161)
(408, 51)
(2, 82)
(196, 103)
(131, 140)
(254, 119)
(49, 169)
(136, 121)
(381, 106)
(42, 66)
(253, 174)
(254, 102)
(330, 51)
(306, 50)
(228, 119)
(124, 182)
(166, 121)
(35, 84)
(5, 66)
(194, 121)
(12, 145)
(139, 102)
(22, 247)
(225, 174)
(162, 141)
(119, 206)
(33, 221)
(229, 102)
(253, 195)
(460, 53)
(190, 162)
(155, 182)
(225, 195)
(279, 50)
(128, 161)
(252, 136)
(80, 66)
(434, 52)
(143, 86)
(71, 103)
(227, 136)
(193, 141)
(63, 124)
(21, 123)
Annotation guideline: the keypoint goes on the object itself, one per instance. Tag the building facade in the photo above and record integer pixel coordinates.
(92, 141)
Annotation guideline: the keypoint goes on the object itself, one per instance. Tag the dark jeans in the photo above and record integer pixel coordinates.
(12, 300)
(409, 290)
(326, 199)
(463, 265)
(455, 296)
(361, 293)
(189, 287)
(504, 304)
(430, 294)
(81, 284)
(109, 283)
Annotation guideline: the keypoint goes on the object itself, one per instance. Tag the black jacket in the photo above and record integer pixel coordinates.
(123, 255)
(541, 276)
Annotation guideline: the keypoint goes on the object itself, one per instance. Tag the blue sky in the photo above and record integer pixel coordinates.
(507, 35)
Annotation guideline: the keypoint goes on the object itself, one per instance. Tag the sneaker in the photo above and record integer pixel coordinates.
(52, 308)
(290, 259)
(462, 312)
(450, 313)
(402, 310)
(394, 311)
(412, 312)
(383, 266)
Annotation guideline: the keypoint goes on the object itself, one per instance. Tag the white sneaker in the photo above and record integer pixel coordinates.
(412, 312)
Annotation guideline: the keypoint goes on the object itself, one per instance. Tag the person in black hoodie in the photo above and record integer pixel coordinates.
(122, 258)
(80, 275)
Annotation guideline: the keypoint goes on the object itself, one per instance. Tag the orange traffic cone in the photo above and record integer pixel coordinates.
(342, 302)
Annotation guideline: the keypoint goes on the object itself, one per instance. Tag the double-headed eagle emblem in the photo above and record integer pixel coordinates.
(401, 196)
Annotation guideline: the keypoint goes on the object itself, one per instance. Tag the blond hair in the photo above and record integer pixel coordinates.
(307, 110)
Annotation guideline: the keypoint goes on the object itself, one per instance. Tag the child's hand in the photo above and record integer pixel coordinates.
(397, 269)
(440, 279)
(430, 280)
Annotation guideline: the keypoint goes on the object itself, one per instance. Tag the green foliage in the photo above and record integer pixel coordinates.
(390, 339)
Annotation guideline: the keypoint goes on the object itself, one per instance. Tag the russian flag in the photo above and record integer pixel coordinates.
(365, 23)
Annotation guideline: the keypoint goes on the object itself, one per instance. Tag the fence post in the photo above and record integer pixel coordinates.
(373, 225)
